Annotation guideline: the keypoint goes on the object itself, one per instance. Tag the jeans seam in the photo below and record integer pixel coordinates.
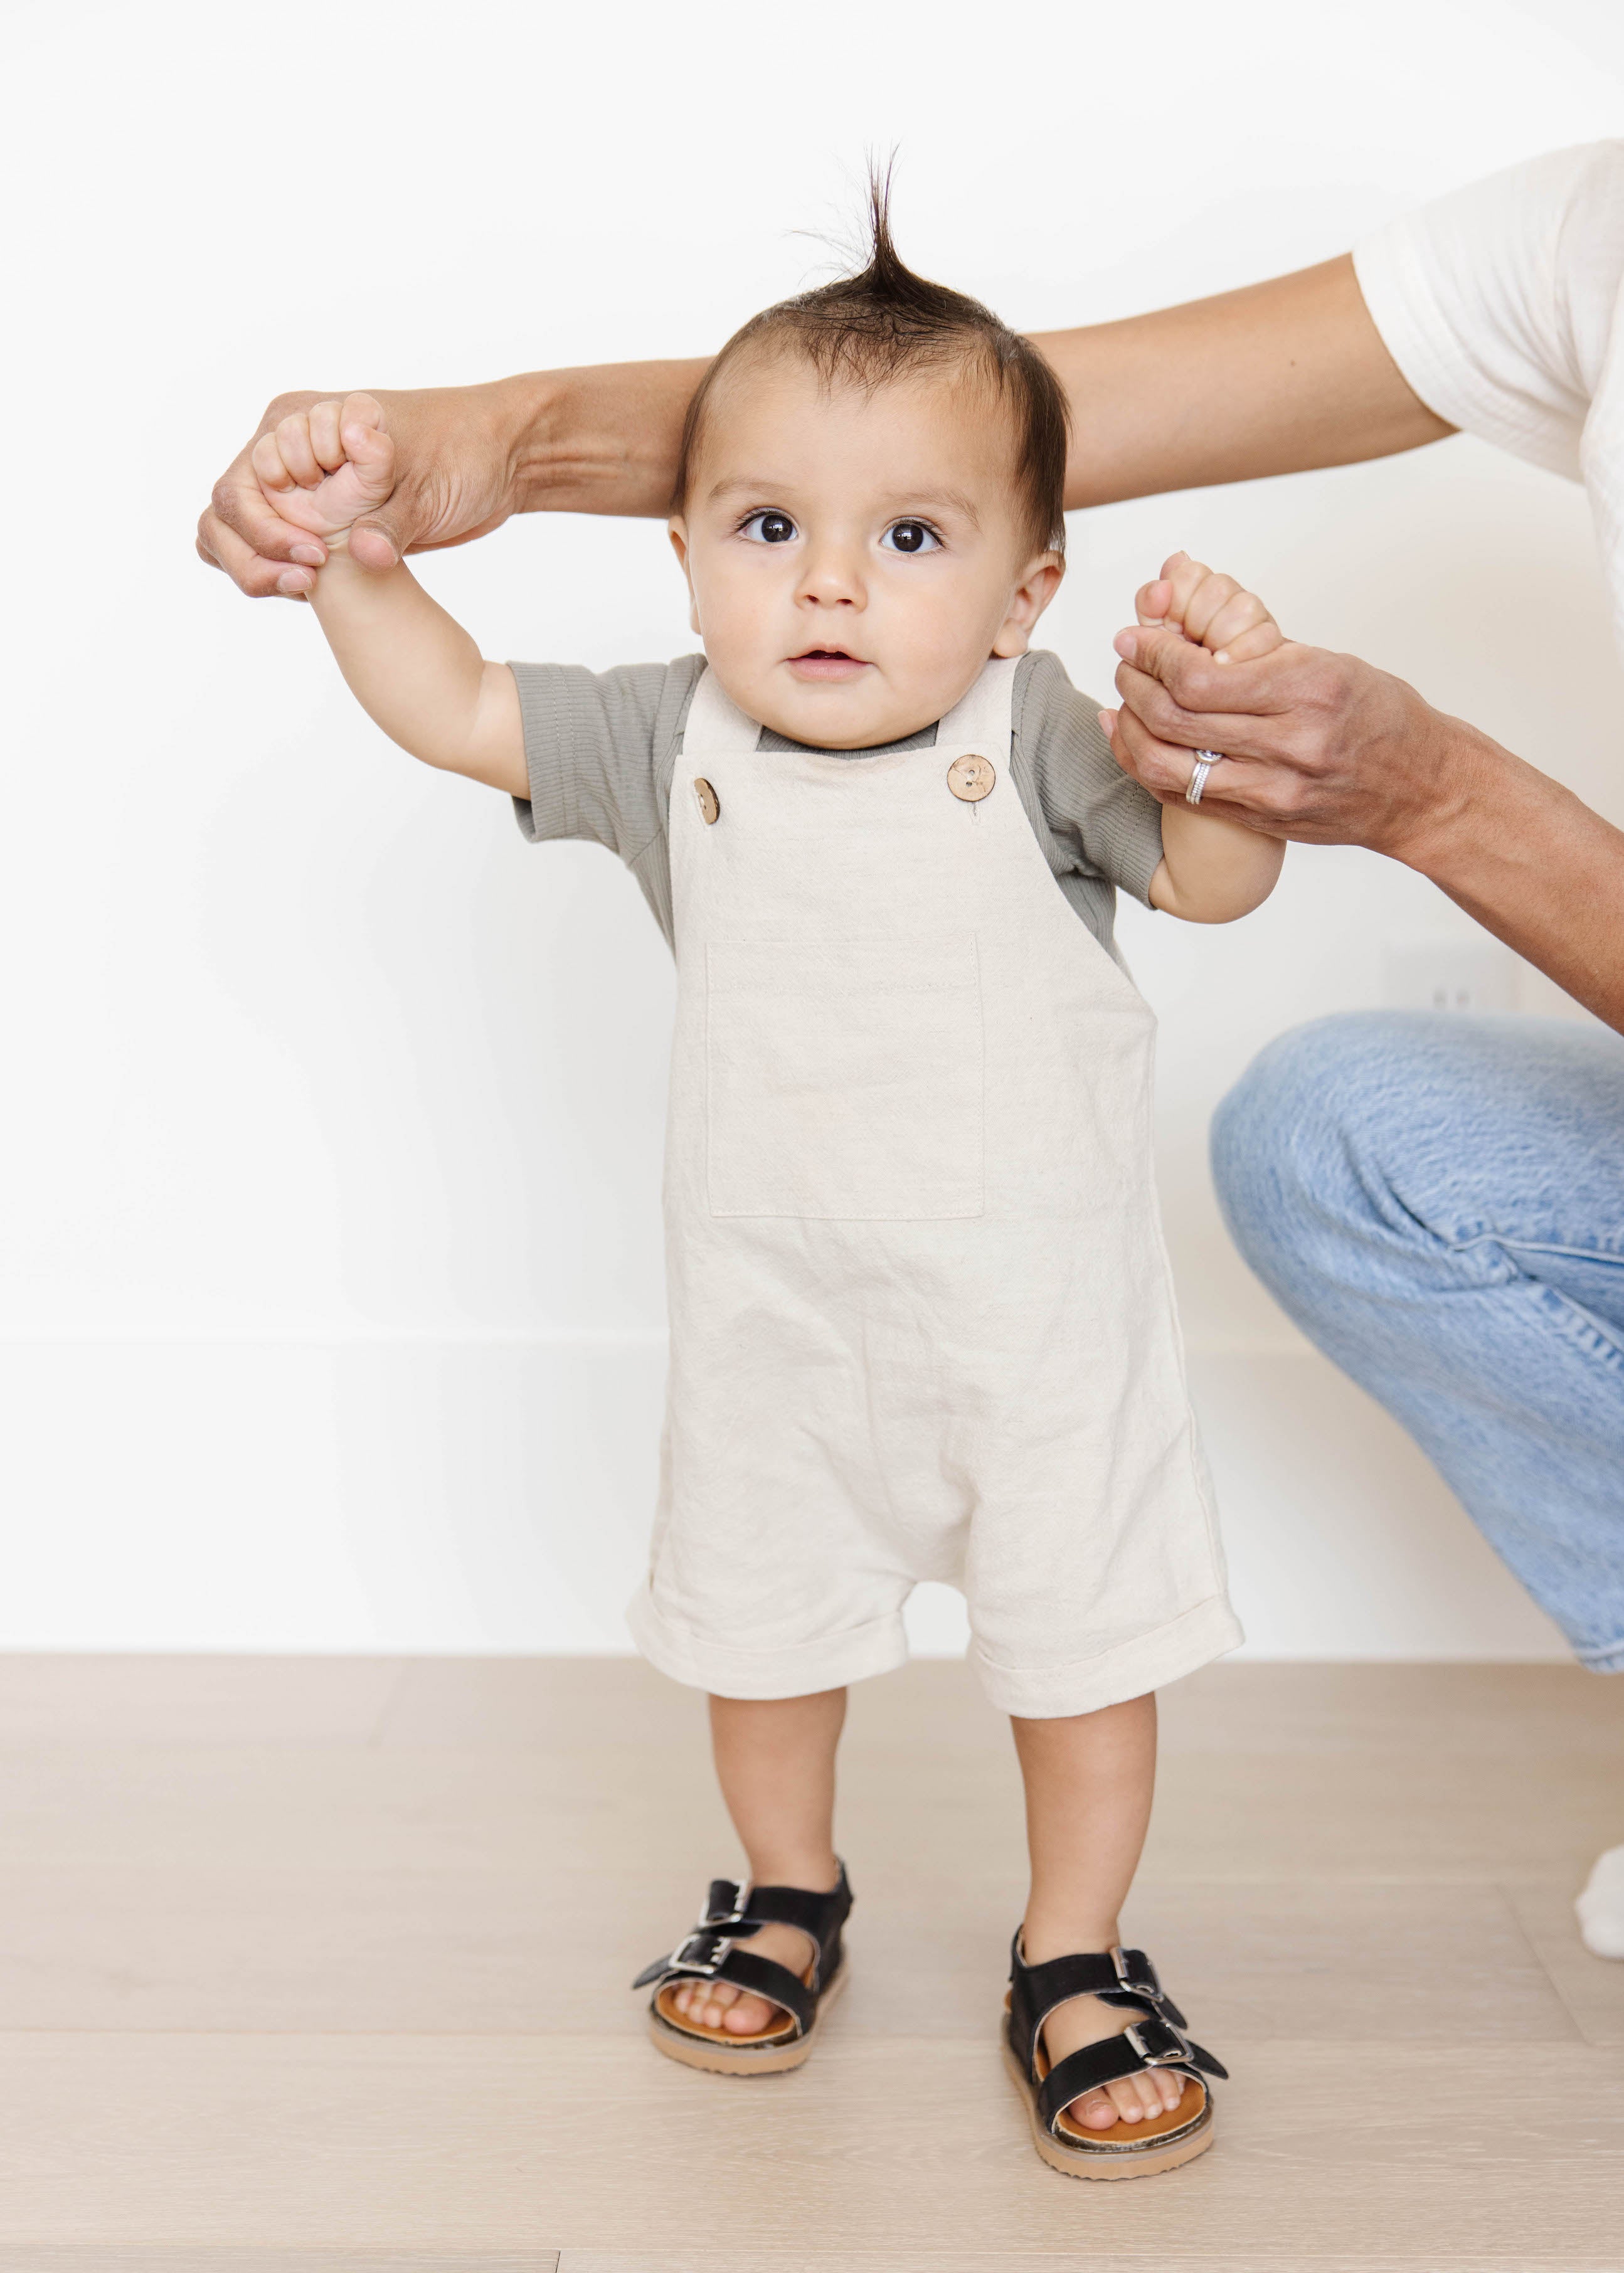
(1536, 1247)
(1581, 1327)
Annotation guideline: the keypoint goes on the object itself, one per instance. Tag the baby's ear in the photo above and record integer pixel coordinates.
(676, 529)
(1040, 581)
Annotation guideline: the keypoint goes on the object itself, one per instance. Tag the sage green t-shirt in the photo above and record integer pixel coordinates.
(600, 748)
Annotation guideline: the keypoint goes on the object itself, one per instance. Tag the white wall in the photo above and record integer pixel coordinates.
(330, 1282)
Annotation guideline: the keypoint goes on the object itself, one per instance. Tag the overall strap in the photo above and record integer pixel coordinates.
(984, 719)
(715, 724)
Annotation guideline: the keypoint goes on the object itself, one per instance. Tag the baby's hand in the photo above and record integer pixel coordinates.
(324, 468)
(1233, 626)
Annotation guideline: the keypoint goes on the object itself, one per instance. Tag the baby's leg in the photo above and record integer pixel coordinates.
(775, 1762)
(1089, 1781)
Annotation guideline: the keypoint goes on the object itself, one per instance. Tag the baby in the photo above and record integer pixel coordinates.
(921, 1325)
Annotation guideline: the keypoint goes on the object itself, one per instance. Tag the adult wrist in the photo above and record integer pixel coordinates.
(529, 414)
(1462, 772)
(599, 438)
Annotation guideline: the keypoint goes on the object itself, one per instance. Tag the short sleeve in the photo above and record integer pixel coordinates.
(593, 742)
(1496, 302)
(1104, 821)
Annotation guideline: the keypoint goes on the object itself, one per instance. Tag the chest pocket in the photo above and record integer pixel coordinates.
(845, 1079)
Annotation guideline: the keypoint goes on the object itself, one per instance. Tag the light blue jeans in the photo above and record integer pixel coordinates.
(1439, 1201)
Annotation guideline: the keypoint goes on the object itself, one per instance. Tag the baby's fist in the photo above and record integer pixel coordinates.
(1234, 625)
(324, 468)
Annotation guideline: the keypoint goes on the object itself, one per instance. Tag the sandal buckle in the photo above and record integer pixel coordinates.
(1158, 2044)
(1150, 1985)
(733, 1917)
(717, 1945)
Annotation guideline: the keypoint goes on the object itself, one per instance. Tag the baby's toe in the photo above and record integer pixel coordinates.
(1134, 2097)
(718, 1999)
(748, 2016)
(1094, 2110)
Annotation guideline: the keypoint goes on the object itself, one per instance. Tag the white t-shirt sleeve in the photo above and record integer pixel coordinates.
(1497, 302)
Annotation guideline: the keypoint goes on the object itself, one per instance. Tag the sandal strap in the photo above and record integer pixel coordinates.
(734, 1910)
(716, 1957)
(764, 1976)
(1148, 2044)
(1123, 1978)
(815, 1914)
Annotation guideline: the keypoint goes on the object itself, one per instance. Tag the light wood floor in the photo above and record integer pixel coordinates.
(320, 1966)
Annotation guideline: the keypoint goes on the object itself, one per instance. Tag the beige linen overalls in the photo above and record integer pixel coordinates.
(921, 1322)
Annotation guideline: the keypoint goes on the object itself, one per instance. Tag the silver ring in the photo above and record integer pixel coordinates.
(1205, 760)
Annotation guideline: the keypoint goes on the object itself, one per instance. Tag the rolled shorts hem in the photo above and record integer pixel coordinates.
(1052, 1692)
(800, 1670)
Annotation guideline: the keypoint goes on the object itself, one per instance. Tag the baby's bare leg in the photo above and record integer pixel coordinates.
(1089, 1781)
(775, 1762)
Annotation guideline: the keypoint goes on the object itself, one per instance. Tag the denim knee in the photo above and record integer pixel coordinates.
(1296, 1145)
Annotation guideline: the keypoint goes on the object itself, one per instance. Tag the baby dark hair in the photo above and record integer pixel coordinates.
(884, 322)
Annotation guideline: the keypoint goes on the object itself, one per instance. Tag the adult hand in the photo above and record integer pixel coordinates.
(599, 439)
(1328, 750)
(455, 479)
(1317, 747)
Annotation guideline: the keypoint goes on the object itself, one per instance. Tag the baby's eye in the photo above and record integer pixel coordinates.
(912, 536)
(769, 528)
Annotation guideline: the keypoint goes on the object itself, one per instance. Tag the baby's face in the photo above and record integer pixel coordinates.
(855, 556)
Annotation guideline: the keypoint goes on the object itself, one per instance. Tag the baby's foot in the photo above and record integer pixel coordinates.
(721, 2005)
(1134, 2098)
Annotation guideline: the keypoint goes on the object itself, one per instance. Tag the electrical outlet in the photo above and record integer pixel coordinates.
(1448, 974)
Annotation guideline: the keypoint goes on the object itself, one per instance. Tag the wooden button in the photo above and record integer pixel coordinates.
(709, 803)
(971, 778)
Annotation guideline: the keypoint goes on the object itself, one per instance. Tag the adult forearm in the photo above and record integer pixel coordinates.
(602, 438)
(1270, 380)
(1533, 865)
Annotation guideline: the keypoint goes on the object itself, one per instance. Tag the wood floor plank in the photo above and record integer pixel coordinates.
(1591, 1988)
(517, 1703)
(846, 2260)
(477, 1950)
(1496, 1710)
(55, 1700)
(935, 1703)
(139, 2257)
(593, 2144)
(1364, 1817)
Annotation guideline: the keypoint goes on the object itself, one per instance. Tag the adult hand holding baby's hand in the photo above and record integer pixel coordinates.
(1319, 747)
(455, 481)
(323, 468)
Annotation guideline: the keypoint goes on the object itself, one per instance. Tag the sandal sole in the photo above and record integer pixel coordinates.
(717, 2059)
(1144, 2162)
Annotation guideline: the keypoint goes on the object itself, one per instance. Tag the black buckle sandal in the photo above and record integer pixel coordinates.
(734, 1910)
(1156, 2039)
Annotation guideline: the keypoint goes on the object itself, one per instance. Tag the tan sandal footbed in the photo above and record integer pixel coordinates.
(773, 2053)
(1125, 2151)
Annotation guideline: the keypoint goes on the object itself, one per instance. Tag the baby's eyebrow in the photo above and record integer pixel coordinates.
(754, 485)
(951, 501)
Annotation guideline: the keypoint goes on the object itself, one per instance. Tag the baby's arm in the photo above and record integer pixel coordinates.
(1212, 869)
(410, 667)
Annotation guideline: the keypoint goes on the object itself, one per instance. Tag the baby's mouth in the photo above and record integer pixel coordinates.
(827, 662)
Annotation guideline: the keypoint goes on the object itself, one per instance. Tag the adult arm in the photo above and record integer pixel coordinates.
(1272, 378)
(598, 440)
(1328, 750)
(1266, 381)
